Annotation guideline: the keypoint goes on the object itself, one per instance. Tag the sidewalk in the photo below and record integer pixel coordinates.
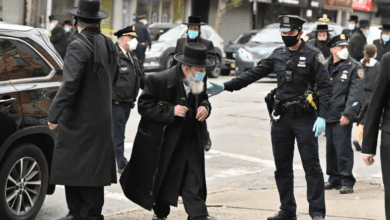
(367, 202)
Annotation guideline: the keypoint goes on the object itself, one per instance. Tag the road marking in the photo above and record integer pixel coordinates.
(232, 173)
(107, 194)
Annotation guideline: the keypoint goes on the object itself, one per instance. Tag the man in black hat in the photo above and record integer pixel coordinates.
(321, 19)
(57, 38)
(346, 75)
(352, 26)
(321, 39)
(382, 44)
(301, 72)
(144, 40)
(69, 32)
(83, 158)
(359, 40)
(168, 157)
(125, 92)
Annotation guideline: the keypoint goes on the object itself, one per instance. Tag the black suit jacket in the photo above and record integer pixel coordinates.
(356, 45)
(380, 103)
(59, 40)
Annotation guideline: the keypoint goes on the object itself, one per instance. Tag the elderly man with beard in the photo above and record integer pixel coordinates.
(168, 157)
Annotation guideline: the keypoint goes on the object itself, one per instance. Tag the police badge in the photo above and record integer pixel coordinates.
(286, 20)
(321, 59)
(360, 72)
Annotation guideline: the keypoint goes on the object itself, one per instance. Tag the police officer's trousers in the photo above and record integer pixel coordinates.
(339, 154)
(283, 135)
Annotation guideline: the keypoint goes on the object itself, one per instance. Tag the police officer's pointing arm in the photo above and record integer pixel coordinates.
(355, 94)
(324, 86)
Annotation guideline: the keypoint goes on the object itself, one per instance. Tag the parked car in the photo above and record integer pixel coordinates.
(30, 75)
(266, 41)
(232, 48)
(161, 55)
(157, 29)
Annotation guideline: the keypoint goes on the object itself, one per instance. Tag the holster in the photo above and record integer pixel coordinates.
(269, 100)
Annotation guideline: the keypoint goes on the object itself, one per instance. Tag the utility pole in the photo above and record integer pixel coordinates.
(255, 14)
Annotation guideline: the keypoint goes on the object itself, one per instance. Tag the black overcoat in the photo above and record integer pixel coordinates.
(157, 135)
(82, 108)
(59, 40)
(382, 49)
(380, 103)
(357, 42)
(370, 77)
(322, 47)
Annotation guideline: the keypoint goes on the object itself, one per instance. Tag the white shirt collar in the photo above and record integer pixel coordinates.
(123, 50)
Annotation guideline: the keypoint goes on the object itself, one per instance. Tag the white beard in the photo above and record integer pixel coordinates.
(196, 87)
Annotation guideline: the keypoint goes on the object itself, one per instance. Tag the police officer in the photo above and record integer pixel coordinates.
(359, 40)
(144, 40)
(346, 76)
(382, 44)
(298, 67)
(322, 37)
(125, 91)
(57, 37)
(352, 26)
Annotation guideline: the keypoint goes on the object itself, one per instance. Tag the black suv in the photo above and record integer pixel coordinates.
(30, 75)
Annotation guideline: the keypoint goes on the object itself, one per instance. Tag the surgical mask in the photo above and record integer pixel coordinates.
(368, 32)
(351, 27)
(133, 44)
(52, 26)
(193, 34)
(385, 38)
(290, 41)
(67, 29)
(199, 76)
(343, 54)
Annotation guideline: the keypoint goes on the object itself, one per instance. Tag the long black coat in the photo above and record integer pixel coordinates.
(158, 133)
(370, 77)
(357, 42)
(82, 108)
(59, 40)
(382, 49)
(323, 48)
(348, 32)
(380, 103)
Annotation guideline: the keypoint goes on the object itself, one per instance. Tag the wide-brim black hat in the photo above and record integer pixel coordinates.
(89, 9)
(354, 18)
(194, 55)
(385, 27)
(322, 28)
(194, 20)
(364, 23)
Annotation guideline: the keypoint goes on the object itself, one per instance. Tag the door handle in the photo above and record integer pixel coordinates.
(7, 102)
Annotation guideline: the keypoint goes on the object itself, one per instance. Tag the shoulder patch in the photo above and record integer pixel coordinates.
(320, 57)
(360, 72)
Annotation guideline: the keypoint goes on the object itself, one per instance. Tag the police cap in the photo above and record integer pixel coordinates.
(290, 23)
(139, 17)
(129, 30)
(338, 40)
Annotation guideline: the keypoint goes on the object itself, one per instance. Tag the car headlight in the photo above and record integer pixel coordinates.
(246, 54)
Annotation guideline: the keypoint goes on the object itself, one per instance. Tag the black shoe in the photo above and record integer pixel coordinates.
(158, 218)
(346, 190)
(357, 145)
(329, 186)
(283, 215)
(203, 218)
(318, 217)
(68, 217)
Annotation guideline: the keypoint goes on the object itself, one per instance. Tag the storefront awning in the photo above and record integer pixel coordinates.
(343, 5)
(363, 5)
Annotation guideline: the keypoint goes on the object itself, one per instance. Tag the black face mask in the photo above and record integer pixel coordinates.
(290, 41)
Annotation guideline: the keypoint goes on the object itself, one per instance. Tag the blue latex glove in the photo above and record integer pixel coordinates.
(215, 89)
(319, 126)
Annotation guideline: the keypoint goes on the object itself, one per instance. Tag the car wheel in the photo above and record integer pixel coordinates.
(168, 62)
(24, 177)
(217, 70)
(225, 72)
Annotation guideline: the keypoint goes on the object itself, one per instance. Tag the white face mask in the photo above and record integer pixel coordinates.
(52, 26)
(343, 54)
(133, 44)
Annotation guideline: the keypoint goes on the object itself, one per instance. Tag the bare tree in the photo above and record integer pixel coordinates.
(223, 6)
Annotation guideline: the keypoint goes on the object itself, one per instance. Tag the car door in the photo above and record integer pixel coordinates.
(32, 76)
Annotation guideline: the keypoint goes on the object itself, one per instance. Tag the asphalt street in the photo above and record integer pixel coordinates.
(241, 153)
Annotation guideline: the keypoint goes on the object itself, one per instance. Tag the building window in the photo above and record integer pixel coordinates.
(143, 7)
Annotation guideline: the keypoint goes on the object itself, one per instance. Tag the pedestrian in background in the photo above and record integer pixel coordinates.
(69, 33)
(382, 44)
(358, 40)
(144, 40)
(168, 159)
(352, 26)
(379, 105)
(83, 157)
(298, 67)
(371, 68)
(346, 76)
(57, 37)
(322, 37)
(125, 91)
(321, 19)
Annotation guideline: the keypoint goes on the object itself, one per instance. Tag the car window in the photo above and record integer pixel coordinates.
(3, 71)
(174, 33)
(269, 35)
(21, 61)
(244, 39)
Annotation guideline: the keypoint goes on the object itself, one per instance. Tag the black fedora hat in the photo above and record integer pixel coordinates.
(364, 23)
(52, 18)
(322, 28)
(354, 18)
(194, 55)
(385, 27)
(194, 20)
(89, 9)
